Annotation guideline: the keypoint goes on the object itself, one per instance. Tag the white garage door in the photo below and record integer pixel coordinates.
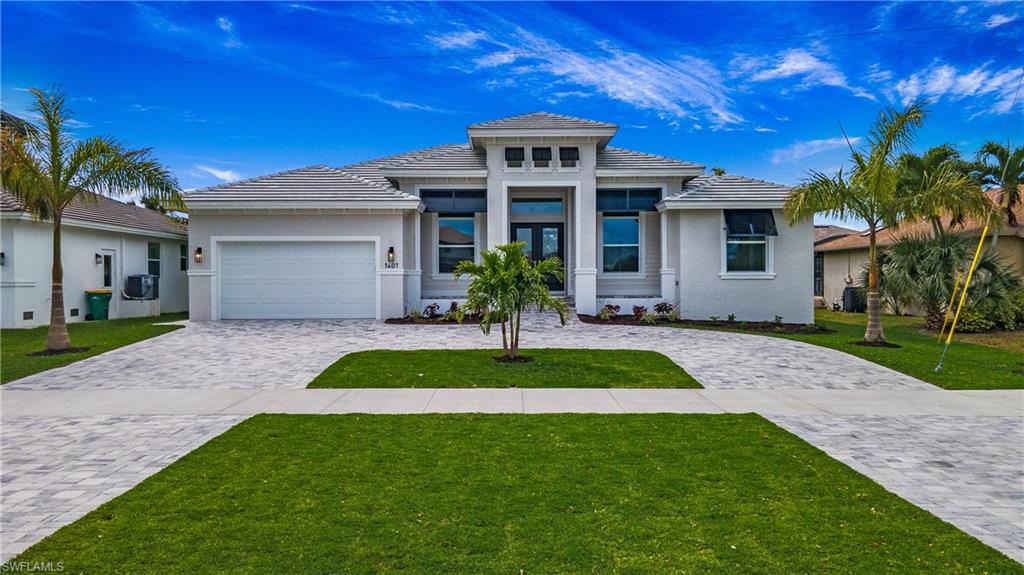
(297, 280)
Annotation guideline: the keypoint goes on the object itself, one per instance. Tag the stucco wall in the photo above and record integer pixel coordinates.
(703, 292)
(386, 228)
(840, 265)
(25, 275)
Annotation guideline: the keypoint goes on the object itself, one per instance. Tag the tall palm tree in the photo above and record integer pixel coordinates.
(1003, 167)
(868, 192)
(939, 183)
(48, 169)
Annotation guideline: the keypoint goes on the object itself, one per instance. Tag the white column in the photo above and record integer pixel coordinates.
(414, 273)
(586, 251)
(668, 274)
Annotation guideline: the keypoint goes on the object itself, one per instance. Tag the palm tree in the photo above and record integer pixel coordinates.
(869, 192)
(47, 169)
(939, 183)
(506, 283)
(999, 166)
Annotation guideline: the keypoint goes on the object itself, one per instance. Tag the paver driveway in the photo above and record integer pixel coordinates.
(57, 469)
(268, 354)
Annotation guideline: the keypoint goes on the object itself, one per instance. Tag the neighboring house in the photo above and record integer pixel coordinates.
(380, 238)
(822, 235)
(843, 258)
(103, 242)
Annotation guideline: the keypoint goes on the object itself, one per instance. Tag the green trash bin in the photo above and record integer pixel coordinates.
(99, 303)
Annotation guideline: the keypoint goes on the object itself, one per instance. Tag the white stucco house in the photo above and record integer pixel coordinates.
(103, 243)
(379, 238)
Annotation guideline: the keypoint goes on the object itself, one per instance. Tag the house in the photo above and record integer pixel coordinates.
(379, 238)
(103, 242)
(842, 258)
(822, 235)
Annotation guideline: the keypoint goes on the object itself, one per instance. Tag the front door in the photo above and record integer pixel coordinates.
(542, 242)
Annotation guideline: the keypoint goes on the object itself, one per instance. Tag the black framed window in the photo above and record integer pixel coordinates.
(819, 274)
(628, 199)
(183, 257)
(153, 253)
(620, 243)
(537, 206)
(541, 157)
(750, 223)
(456, 234)
(514, 157)
(568, 157)
(455, 201)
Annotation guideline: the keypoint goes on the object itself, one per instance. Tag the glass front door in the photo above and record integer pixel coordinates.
(542, 241)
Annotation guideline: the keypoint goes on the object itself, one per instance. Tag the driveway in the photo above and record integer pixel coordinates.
(78, 436)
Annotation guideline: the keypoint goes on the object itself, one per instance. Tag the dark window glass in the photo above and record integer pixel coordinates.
(533, 206)
(154, 250)
(183, 257)
(455, 236)
(569, 154)
(455, 201)
(638, 200)
(514, 157)
(819, 274)
(541, 154)
(108, 271)
(750, 223)
(746, 254)
(620, 238)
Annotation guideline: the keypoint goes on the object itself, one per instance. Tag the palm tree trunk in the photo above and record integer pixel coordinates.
(504, 337)
(517, 325)
(873, 333)
(57, 337)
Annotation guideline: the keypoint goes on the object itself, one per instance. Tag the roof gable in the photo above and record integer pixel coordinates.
(542, 121)
(312, 183)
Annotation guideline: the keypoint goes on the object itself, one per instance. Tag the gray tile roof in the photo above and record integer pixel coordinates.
(730, 188)
(827, 233)
(541, 121)
(312, 183)
(445, 157)
(610, 158)
(106, 211)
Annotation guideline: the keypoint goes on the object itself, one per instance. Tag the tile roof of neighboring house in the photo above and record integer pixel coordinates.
(823, 234)
(888, 236)
(312, 183)
(609, 158)
(106, 211)
(541, 121)
(730, 188)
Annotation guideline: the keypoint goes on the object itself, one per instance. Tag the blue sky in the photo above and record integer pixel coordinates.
(228, 90)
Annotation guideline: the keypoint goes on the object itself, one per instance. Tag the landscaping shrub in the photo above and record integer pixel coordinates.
(430, 312)
(663, 308)
(608, 312)
(649, 318)
(639, 311)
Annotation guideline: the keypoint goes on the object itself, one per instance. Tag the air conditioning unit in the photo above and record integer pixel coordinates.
(142, 286)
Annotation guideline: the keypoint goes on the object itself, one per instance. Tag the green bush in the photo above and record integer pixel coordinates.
(974, 321)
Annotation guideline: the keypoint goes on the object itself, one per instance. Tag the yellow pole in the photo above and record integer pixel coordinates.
(967, 282)
(949, 306)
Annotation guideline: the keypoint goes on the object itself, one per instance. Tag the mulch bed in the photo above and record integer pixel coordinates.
(516, 359)
(47, 352)
(884, 344)
(750, 326)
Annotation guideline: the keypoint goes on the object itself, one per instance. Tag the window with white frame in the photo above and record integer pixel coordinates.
(746, 240)
(514, 157)
(153, 253)
(541, 157)
(620, 243)
(568, 157)
(456, 238)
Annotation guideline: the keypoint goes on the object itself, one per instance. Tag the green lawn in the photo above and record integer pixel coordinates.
(477, 368)
(731, 494)
(967, 365)
(98, 336)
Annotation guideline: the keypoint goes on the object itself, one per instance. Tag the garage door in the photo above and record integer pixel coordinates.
(297, 280)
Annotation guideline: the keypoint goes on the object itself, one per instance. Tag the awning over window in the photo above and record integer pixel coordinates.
(628, 200)
(566, 154)
(541, 154)
(514, 155)
(455, 201)
(750, 223)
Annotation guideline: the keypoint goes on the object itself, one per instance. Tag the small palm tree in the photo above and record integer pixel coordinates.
(48, 169)
(869, 192)
(1000, 166)
(939, 183)
(505, 284)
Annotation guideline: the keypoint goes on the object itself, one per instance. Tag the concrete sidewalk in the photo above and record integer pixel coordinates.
(116, 402)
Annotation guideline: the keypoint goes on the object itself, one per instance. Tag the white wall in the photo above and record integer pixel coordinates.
(387, 229)
(25, 275)
(703, 292)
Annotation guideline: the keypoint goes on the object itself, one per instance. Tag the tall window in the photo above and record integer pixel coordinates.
(183, 257)
(108, 271)
(746, 242)
(819, 274)
(455, 240)
(620, 239)
(514, 157)
(541, 157)
(154, 258)
(568, 157)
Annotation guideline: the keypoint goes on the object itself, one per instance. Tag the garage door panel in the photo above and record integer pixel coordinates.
(298, 280)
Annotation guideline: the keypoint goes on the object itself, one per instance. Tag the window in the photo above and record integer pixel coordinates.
(628, 200)
(455, 201)
(537, 206)
(154, 258)
(620, 239)
(541, 157)
(568, 157)
(183, 257)
(514, 157)
(746, 243)
(108, 271)
(819, 274)
(455, 241)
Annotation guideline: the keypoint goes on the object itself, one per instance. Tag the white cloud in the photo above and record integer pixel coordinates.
(960, 11)
(222, 175)
(796, 63)
(804, 149)
(228, 27)
(225, 24)
(400, 104)
(877, 74)
(465, 39)
(765, 130)
(998, 20)
(942, 80)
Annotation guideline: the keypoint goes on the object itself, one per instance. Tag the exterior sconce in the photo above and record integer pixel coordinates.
(99, 259)
(197, 256)
(391, 255)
